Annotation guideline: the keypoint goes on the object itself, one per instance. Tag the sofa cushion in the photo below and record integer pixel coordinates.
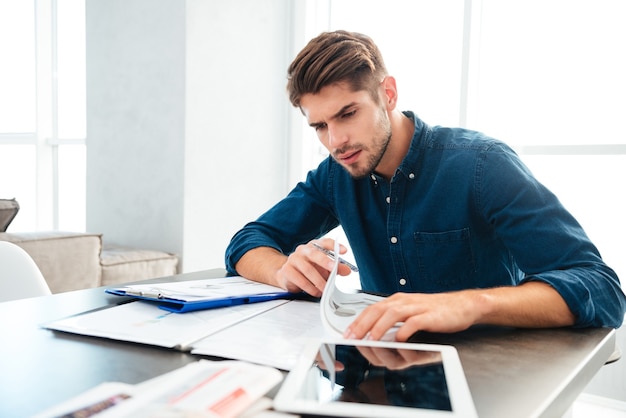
(123, 264)
(8, 211)
(67, 260)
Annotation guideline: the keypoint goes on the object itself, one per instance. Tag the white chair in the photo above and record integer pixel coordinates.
(19, 275)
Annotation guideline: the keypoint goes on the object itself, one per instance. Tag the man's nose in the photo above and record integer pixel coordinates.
(336, 137)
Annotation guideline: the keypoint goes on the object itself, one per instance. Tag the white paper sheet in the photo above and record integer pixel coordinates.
(145, 323)
(274, 338)
(338, 309)
(201, 290)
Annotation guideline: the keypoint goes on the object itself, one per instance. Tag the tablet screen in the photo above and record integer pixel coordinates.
(379, 375)
(377, 379)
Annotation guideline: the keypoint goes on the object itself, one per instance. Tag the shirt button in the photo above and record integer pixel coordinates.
(373, 177)
(411, 176)
(402, 282)
(388, 199)
(394, 240)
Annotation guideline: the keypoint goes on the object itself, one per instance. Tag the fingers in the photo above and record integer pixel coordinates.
(299, 273)
(442, 312)
(328, 263)
(337, 365)
(377, 319)
(308, 268)
(397, 359)
(319, 257)
(383, 357)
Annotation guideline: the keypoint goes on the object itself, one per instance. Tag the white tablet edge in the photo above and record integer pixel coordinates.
(287, 399)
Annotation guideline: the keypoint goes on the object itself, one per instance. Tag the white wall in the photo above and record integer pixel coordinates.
(186, 121)
(236, 119)
(136, 121)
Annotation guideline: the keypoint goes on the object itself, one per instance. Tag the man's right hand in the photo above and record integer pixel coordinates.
(306, 269)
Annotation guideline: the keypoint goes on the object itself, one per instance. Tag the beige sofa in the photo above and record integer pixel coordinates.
(72, 261)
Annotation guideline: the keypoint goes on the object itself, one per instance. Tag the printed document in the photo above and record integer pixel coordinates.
(338, 309)
(274, 338)
(145, 323)
(200, 389)
(270, 333)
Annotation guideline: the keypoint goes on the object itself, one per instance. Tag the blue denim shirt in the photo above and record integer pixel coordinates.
(462, 211)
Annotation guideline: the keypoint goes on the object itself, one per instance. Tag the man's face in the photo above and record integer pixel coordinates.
(351, 125)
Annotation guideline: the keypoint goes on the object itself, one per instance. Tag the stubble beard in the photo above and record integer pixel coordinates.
(360, 171)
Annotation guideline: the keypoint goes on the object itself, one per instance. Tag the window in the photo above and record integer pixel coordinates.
(42, 103)
(550, 81)
(547, 77)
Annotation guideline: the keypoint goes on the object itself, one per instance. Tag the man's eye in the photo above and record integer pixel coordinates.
(348, 114)
(320, 127)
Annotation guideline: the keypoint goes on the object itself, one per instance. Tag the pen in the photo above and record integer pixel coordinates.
(332, 255)
(152, 294)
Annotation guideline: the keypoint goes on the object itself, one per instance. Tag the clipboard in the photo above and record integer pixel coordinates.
(188, 296)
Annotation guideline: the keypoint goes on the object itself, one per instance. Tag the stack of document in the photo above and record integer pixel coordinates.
(204, 388)
(270, 332)
(203, 294)
(262, 327)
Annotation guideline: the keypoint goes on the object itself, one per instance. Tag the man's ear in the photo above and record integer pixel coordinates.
(391, 92)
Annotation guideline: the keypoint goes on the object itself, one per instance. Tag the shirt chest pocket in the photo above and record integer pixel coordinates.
(444, 259)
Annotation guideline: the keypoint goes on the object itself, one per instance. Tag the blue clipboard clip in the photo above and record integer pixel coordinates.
(180, 306)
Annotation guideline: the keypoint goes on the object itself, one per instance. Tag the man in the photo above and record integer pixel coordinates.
(448, 222)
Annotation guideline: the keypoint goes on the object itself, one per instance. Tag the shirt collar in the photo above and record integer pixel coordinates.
(408, 167)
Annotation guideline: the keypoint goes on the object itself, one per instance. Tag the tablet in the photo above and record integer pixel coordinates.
(358, 378)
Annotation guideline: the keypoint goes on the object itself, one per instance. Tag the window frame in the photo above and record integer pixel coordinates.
(46, 136)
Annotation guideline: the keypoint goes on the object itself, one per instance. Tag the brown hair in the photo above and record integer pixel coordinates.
(334, 57)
